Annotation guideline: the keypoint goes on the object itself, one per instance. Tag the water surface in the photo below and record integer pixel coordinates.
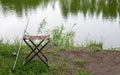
(95, 19)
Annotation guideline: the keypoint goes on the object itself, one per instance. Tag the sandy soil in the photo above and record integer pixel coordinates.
(101, 63)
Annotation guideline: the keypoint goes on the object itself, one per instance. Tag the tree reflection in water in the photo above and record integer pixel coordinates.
(109, 9)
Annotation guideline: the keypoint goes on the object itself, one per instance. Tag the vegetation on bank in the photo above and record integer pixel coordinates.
(58, 66)
(60, 41)
(58, 36)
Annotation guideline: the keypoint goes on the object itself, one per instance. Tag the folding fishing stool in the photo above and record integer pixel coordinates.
(37, 50)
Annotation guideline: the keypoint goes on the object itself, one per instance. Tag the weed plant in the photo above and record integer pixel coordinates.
(41, 29)
(81, 63)
(61, 39)
(94, 45)
(35, 67)
(115, 49)
(82, 71)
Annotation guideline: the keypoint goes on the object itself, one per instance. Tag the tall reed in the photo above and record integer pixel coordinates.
(61, 38)
(41, 29)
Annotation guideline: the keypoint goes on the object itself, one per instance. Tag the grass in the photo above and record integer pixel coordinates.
(81, 70)
(94, 45)
(7, 60)
(81, 63)
(115, 49)
(35, 67)
(65, 40)
(61, 39)
(59, 66)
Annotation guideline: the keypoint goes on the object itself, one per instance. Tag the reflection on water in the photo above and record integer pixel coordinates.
(94, 17)
(21, 7)
(108, 8)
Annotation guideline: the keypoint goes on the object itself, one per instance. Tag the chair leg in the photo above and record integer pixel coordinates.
(31, 48)
(24, 62)
(40, 51)
(36, 53)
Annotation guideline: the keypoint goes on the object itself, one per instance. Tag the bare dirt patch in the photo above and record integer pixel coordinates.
(100, 63)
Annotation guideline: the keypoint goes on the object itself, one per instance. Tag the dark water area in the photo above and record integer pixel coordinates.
(95, 19)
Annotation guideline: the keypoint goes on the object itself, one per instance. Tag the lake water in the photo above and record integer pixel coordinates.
(95, 19)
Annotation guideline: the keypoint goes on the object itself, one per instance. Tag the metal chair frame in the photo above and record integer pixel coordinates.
(30, 39)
